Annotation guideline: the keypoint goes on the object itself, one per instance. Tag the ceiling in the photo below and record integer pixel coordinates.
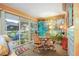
(39, 9)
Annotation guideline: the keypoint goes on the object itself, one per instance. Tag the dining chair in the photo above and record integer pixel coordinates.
(37, 43)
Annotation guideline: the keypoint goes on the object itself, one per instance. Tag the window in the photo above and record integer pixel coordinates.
(12, 26)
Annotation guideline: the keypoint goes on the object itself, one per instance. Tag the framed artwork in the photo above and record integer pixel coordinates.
(42, 29)
(70, 13)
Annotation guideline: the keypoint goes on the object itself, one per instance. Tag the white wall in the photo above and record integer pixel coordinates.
(38, 9)
(2, 23)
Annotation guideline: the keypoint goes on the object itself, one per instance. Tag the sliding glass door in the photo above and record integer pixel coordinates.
(12, 27)
(18, 28)
(25, 30)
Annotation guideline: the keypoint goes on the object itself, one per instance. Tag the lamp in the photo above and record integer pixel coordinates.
(61, 26)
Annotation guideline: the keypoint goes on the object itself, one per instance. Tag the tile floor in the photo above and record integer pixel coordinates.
(59, 51)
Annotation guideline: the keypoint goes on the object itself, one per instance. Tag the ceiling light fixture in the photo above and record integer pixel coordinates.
(10, 20)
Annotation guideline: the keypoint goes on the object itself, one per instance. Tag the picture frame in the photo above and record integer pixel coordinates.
(70, 14)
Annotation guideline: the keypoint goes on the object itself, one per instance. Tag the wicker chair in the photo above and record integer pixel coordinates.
(37, 43)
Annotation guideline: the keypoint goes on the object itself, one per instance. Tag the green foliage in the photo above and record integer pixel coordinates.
(22, 41)
(52, 38)
(12, 33)
(53, 35)
(57, 36)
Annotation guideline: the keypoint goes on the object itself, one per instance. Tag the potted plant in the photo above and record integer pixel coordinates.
(59, 37)
(56, 37)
